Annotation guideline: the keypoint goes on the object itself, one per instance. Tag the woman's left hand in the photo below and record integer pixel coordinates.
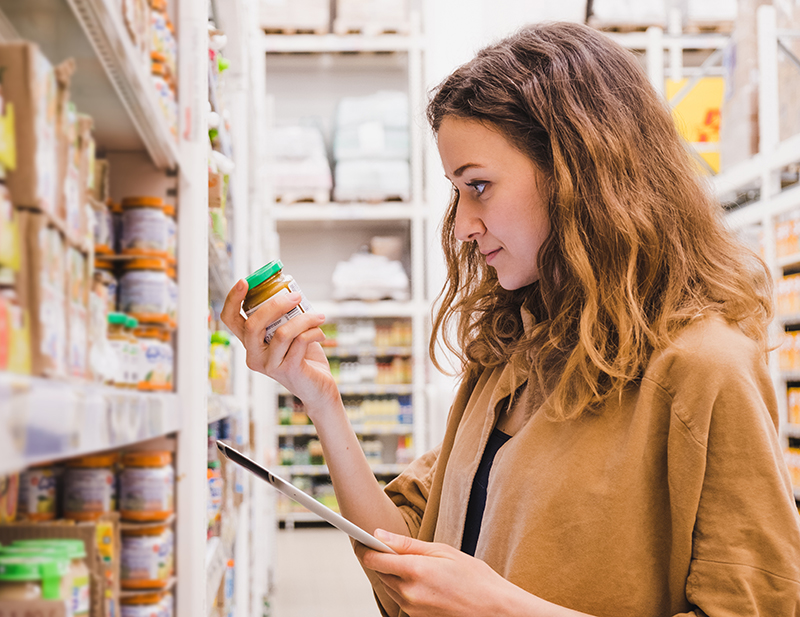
(436, 580)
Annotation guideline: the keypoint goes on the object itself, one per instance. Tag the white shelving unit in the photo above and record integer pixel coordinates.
(311, 237)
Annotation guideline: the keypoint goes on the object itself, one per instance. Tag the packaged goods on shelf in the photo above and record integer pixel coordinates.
(37, 494)
(220, 360)
(621, 13)
(147, 604)
(90, 487)
(9, 231)
(144, 290)
(29, 85)
(787, 292)
(156, 359)
(147, 486)
(92, 553)
(787, 235)
(371, 17)
(793, 405)
(15, 345)
(372, 180)
(79, 286)
(370, 277)
(147, 556)
(789, 352)
(136, 16)
(792, 458)
(44, 292)
(299, 164)
(9, 498)
(214, 500)
(292, 16)
(144, 227)
(372, 126)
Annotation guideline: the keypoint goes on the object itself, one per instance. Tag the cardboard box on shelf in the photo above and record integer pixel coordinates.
(78, 286)
(42, 291)
(28, 82)
(33, 608)
(290, 16)
(102, 541)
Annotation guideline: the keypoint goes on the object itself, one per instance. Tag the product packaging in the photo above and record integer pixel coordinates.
(78, 285)
(371, 16)
(293, 15)
(29, 84)
(101, 539)
(43, 292)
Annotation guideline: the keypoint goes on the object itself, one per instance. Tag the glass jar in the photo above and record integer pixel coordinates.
(134, 351)
(172, 296)
(147, 557)
(33, 577)
(75, 577)
(172, 234)
(147, 486)
(267, 281)
(152, 359)
(220, 360)
(104, 274)
(90, 487)
(142, 605)
(143, 290)
(119, 341)
(103, 230)
(169, 358)
(37, 494)
(144, 227)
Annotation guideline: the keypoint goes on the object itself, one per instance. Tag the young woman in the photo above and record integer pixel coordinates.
(612, 449)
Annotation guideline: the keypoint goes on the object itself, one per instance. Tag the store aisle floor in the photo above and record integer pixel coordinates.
(317, 575)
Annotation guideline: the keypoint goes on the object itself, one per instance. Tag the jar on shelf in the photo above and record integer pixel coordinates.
(266, 282)
(168, 353)
(172, 234)
(76, 582)
(172, 296)
(104, 274)
(144, 227)
(220, 360)
(147, 486)
(119, 342)
(115, 208)
(90, 487)
(134, 352)
(146, 557)
(143, 290)
(152, 359)
(103, 229)
(37, 494)
(33, 578)
(149, 604)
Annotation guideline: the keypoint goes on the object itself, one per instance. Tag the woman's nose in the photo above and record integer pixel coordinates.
(469, 226)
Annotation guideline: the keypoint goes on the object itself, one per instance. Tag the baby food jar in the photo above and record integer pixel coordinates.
(103, 229)
(34, 577)
(142, 605)
(172, 296)
(168, 355)
(119, 342)
(152, 359)
(37, 494)
(143, 290)
(104, 274)
(75, 584)
(268, 281)
(147, 486)
(172, 233)
(144, 227)
(147, 557)
(90, 487)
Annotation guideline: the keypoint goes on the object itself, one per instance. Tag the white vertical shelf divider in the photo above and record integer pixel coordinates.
(192, 349)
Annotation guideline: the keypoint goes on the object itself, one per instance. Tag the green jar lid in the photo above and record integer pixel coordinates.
(132, 322)
(49, 569)
(213, 464)
(117, 319)
(263, 273)
(74, 547)
(221, 337)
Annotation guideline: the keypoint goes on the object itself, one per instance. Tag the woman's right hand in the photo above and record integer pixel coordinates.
(294, 357)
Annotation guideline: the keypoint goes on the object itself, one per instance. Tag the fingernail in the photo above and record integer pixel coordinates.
(320, 316)
(241, 284)
(294, 296)
(383, 535)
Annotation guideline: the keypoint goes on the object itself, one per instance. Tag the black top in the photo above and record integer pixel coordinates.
(477, 497)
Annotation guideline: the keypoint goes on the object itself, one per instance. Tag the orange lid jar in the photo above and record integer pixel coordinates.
(147, 486)
(90, 487)
(147, 557)
(144, 290)
(144, 227)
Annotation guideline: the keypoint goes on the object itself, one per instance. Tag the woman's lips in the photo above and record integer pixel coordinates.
(491, 255)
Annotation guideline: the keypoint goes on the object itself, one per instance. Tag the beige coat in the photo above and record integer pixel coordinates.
(676, 501)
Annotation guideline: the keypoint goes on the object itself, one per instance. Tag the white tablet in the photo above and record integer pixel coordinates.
(304, 499)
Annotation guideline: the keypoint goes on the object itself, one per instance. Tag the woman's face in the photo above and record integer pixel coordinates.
(501, 204)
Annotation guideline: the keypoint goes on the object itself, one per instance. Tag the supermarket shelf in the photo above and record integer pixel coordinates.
(283, 430)
(44, 419)
(792, 430)
(333, 43)
(388, 211)
(788, 261)
(111, 83)
(221, 406)
(381, 308)
(384, 469)
(347, 389)
(130, 593)
(347, 351)
(218, 551)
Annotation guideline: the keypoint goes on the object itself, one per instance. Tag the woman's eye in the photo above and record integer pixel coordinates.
(478, 186)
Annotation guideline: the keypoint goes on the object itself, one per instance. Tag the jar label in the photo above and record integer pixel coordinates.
(80, 595)
(37, 493)
(88, 490)
(303, 307)
(145, 558)
(147, 490)
(143, 292)
(144, 229)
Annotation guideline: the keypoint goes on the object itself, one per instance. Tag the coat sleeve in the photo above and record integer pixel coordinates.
(746, 539)
(409, 491)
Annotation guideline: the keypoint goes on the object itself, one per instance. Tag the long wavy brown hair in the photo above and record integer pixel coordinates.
(638, 246)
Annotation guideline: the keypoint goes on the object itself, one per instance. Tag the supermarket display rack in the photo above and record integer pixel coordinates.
(289, 225)
(112, 85)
